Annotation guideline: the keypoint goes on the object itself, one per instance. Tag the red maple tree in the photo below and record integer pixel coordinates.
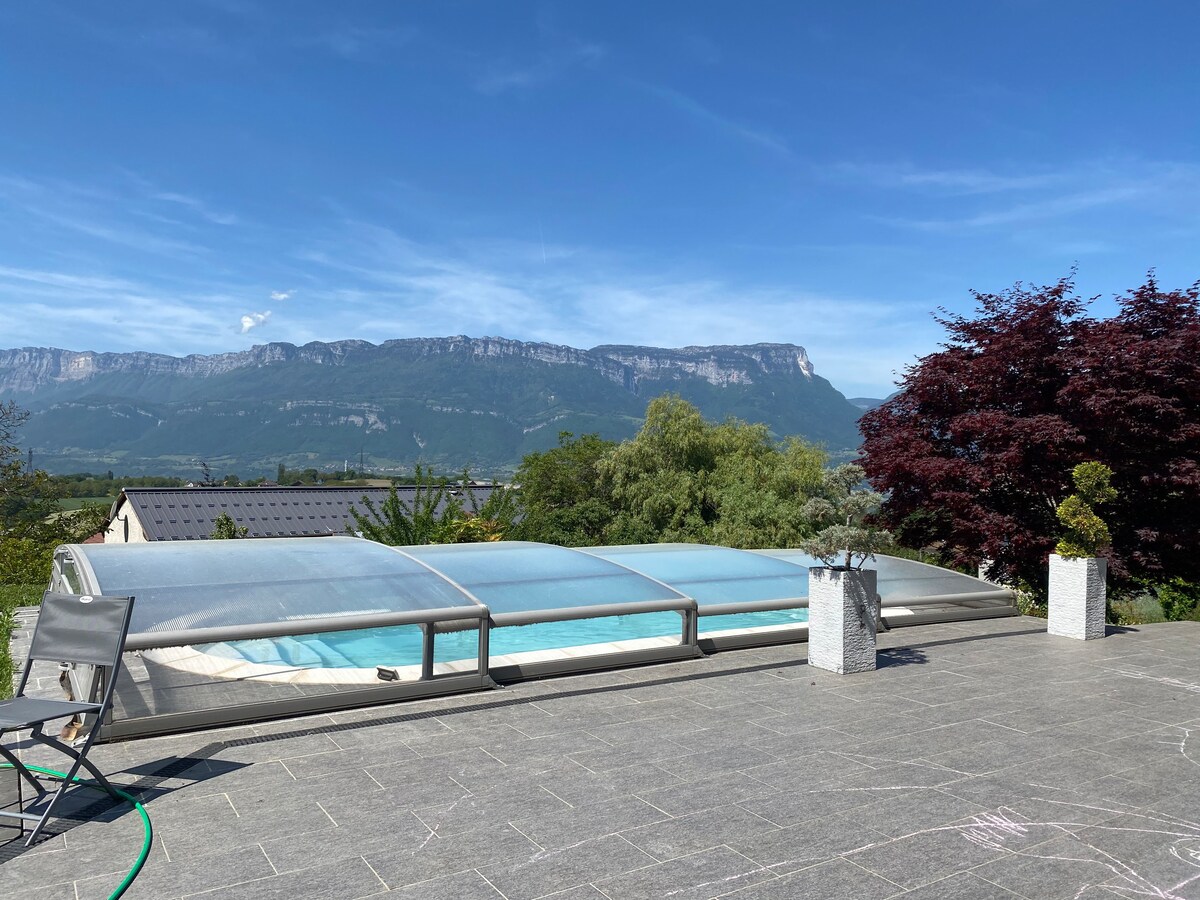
(976, 450)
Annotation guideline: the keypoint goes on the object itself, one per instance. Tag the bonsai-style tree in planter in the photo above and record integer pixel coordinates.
(1087, 534)
(843, 606)
(843, 511)
(1077, 597)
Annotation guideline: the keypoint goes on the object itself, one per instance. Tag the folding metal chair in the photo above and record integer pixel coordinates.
(71, 628)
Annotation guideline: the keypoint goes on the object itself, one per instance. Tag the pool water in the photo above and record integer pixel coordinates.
(401, 645)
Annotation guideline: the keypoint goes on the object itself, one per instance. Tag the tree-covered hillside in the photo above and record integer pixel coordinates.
(446, 403)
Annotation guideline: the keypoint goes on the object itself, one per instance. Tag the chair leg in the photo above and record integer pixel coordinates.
(79, 759)
(21, 770)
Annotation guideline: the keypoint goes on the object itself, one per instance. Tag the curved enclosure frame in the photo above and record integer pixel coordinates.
(234, 631)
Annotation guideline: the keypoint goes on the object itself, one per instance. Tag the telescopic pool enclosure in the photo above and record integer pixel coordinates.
(225, 632)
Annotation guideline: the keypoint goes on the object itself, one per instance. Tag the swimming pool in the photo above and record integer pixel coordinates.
(401, 646)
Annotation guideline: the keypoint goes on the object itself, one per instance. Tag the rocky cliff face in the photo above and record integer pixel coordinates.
(446, 402)
(28, 369)
(721, 366)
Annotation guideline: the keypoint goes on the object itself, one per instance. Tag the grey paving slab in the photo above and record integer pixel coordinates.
(161, 877)
(961, 886)
(582, 892)
(699, 876)
(580, 787)
(725, 759)
(469, 885)
(913, 810)
(548, 871)
(575, 825)
(802, 805)
(709, 793)
(795, 744)
(804, 772)
(341, 880)
(502, 805)
(434, 855)
(383, 803)
(463, 765)
(900, 775)
(298, 851)
(619, 756)
(802, 846)
(544, 752)
(29, 876)
(1004, 764)
(698, 831)
(834, 880)
(1062, 866)
(943, 850)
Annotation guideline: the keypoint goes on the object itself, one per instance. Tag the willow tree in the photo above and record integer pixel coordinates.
(682, 478)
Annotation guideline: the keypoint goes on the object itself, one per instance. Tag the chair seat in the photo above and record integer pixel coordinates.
(22, 712)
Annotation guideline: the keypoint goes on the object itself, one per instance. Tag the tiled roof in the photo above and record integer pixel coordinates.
(188, 514)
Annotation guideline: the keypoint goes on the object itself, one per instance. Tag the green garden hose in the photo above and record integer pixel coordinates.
(146, 826)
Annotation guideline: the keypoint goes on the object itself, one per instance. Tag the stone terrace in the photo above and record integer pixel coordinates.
(982, 760)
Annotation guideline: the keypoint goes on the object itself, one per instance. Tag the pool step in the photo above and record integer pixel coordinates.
(327, 655)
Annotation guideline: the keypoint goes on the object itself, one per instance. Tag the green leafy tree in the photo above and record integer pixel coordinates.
(1086, 533)
(430, 519)
(560, 498)
(1180, 600)
(760, 488)
(845, 513)
(224, 528)
(682, 478)
(31, 523)
(496, 517)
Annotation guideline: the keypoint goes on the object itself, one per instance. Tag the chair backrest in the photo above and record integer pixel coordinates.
(81, 628)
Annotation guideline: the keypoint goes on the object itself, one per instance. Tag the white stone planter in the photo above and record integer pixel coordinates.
(842, 620)
(1077, 595)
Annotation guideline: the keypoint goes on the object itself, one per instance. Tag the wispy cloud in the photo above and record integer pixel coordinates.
(954, 181)
(357, 43)
(78, 311)
(83, 285)
(550, 64)
(731, 127)
(999, 199)
(389, 286)
(386, 285)
(199, 207)
(102, 213)
(252, 320)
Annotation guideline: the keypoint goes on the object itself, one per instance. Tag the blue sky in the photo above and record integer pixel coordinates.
(201, 177)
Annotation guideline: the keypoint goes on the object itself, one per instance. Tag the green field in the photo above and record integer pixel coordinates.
(72, 503)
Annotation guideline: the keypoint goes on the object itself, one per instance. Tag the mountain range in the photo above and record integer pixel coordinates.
(445, 402)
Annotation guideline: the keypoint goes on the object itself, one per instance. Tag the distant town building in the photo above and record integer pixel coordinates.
(188, 514)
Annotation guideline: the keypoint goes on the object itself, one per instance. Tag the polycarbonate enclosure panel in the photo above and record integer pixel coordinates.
(902, 579)
(217, 679)
(712, 574)
(515, 576)
(201, 584)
